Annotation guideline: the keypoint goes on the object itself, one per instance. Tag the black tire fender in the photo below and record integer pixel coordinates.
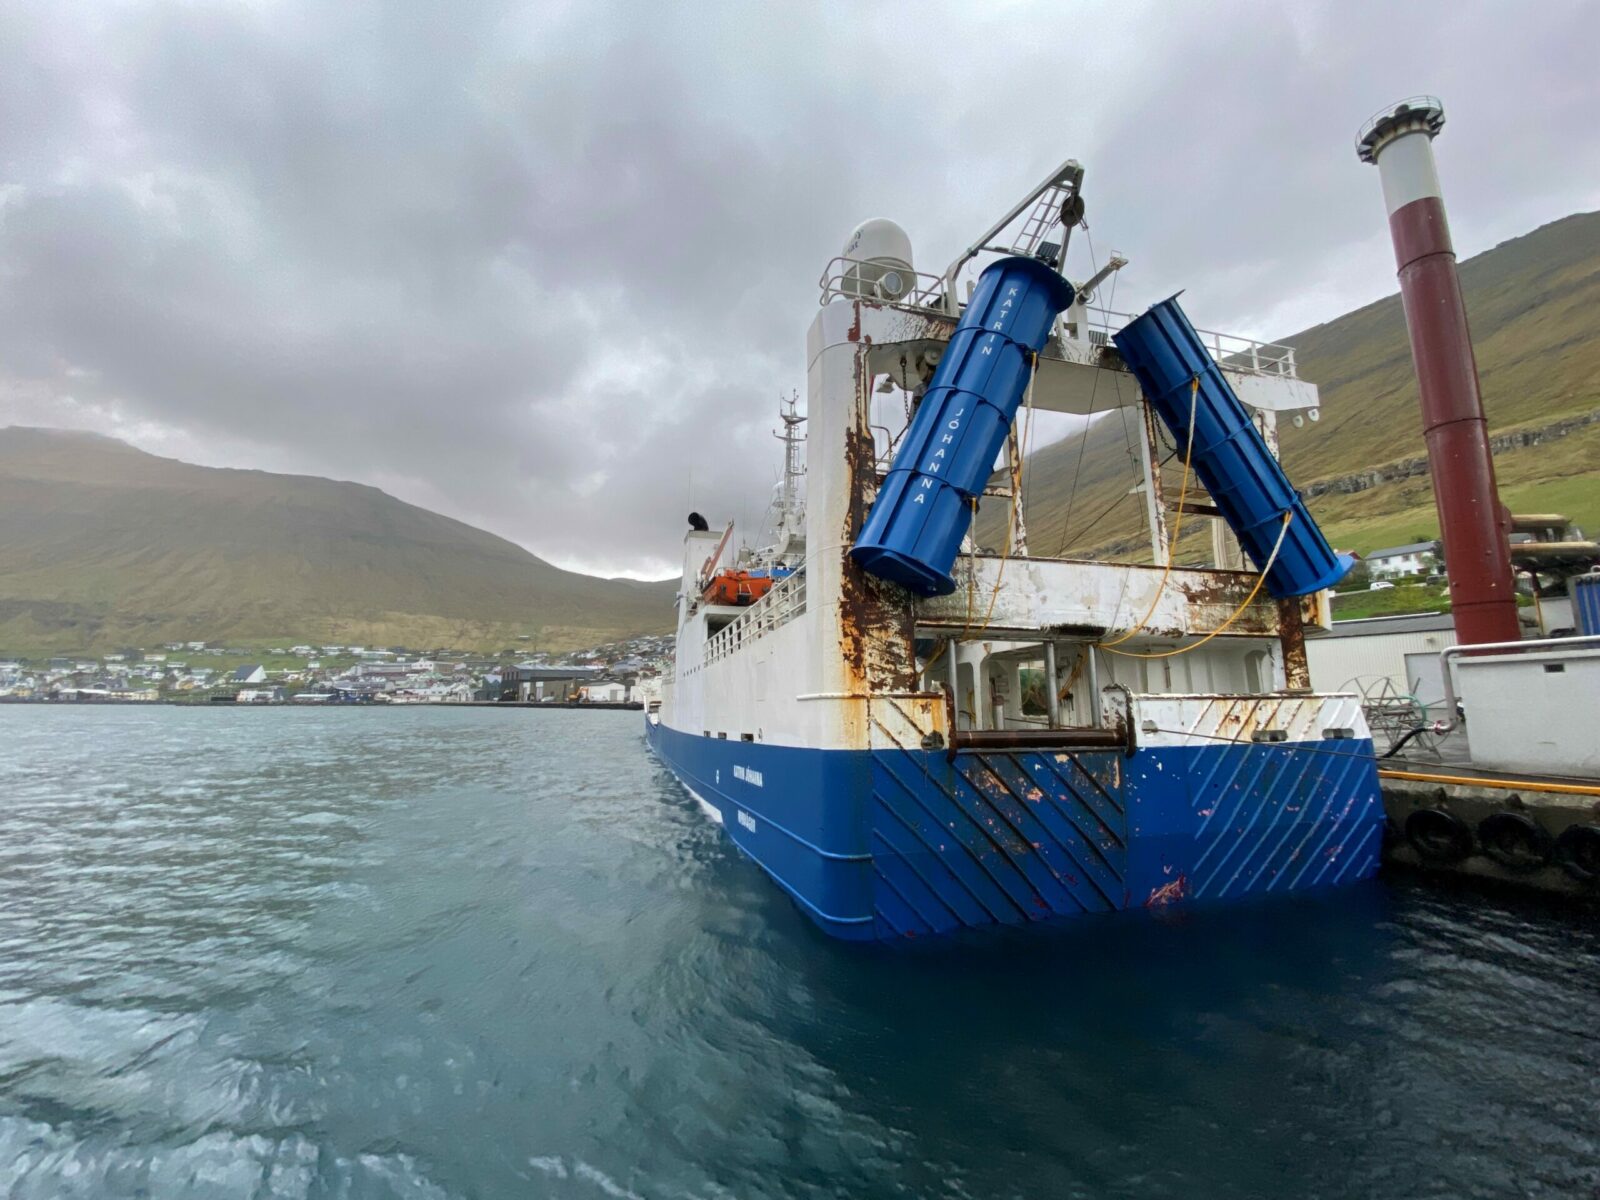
(1438, 836)
(1515, 840)
(1578, 852)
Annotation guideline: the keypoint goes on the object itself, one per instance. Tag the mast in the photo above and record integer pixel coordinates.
(1476, 546)
(791, 517)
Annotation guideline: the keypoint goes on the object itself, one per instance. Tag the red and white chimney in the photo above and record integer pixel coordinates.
(1473, 524)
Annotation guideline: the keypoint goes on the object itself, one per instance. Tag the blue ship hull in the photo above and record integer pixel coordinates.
(879, 844)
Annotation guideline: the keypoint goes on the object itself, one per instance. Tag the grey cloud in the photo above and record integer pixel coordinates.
(548, 269)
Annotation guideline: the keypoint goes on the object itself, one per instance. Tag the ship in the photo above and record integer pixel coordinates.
(914, 734)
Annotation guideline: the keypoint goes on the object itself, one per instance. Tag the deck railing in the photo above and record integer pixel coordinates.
(844, 278)
(785, 602)
(857, 279)
(1231, 351)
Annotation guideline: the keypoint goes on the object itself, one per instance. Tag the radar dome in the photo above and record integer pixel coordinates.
(880, 261)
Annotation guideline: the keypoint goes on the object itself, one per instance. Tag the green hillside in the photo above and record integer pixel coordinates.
(103, 545)
(1532, 304)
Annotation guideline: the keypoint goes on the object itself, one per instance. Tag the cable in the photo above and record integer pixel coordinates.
(1529, 785)
(1172, 545)
(1083, 438)
(1232, 617)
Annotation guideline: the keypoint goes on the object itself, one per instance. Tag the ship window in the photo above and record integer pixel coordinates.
(1258, 671)
(747, 737)
(1032, 690)
(723, 736)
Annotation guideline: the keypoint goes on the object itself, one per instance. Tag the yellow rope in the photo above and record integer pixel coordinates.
(1234, 616)
(1177, 525)
(1520, 785)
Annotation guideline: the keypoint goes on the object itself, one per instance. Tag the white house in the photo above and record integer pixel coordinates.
(259, 696)
(1418, 558)
(253, 673)
(603, 693)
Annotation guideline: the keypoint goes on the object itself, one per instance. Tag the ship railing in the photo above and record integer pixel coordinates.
(1232, 351)
(856, 279)
(785, 602)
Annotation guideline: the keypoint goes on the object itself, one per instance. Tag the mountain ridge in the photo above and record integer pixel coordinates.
(104, 544)
(1529, 301)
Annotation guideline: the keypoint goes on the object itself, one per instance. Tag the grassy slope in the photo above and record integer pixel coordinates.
(1531, 302)
(103, 545)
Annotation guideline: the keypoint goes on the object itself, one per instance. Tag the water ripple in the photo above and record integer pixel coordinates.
(425, 953)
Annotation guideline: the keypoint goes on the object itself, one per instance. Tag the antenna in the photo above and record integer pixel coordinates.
(793, 468)
(1057, 198)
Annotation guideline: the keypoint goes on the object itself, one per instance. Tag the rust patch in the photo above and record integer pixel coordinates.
(876, 627)
(1292, 637)
(1210, 588)
(1225, 590)
(1072, 630)
(1168, 893)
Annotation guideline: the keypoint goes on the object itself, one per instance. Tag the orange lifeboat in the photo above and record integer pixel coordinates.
(737, 588)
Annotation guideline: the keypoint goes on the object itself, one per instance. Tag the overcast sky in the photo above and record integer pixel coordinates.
(547, 267)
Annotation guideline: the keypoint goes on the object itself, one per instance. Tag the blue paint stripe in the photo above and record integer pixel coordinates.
(942, 825)
(919, 873)
(1068, 858)
(1097, 863)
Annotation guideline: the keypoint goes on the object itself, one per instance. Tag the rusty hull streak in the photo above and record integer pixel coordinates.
(1227, 589)
(1292, 637)
(876, 629)
(854, 333)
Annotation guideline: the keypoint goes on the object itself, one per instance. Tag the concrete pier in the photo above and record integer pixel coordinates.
(1539, 832)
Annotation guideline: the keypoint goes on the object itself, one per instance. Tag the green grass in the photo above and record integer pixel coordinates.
(1389, 602)
(1531, 302)
(1401, 600)
(1555, 477)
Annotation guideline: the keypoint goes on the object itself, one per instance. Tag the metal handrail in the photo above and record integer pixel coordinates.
(925, 291)
(1232, 351)
(1418, 105)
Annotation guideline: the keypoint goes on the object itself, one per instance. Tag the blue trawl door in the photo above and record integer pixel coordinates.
(995, 837)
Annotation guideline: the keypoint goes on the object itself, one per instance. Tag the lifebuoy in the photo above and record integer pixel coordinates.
(1515, 840)
(1578, 852)
(1438, 836)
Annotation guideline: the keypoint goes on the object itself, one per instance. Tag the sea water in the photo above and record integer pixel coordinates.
(435, 952)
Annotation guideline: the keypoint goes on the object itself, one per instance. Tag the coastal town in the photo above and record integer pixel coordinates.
(202, 672)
